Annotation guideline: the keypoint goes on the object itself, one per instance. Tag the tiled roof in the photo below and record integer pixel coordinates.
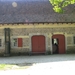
(33, 11)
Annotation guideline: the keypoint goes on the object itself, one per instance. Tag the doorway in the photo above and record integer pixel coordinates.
(55, 45)
(58, 44)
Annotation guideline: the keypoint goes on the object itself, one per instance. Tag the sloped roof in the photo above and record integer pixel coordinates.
(33, 11)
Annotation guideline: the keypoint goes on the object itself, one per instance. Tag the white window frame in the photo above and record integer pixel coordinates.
(12, 42)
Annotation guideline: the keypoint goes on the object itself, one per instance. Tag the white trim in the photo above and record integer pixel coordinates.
(36, 25)
(19, 36)
(65, 41)
(58, 33)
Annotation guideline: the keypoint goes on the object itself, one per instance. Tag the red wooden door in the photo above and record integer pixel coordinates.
(38, 44)
(61, 44)
(34, 44)
(41, 44)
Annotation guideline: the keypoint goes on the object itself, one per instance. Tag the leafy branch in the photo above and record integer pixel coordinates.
(58, 5)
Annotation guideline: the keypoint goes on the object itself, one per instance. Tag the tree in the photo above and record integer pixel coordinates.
(58, 5)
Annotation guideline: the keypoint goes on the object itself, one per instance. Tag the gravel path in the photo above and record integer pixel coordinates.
(43, 64)
(37, 59)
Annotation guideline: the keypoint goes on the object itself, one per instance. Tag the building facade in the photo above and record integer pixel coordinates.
(47, 38)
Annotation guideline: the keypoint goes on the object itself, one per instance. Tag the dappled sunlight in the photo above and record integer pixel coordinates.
(61, 67)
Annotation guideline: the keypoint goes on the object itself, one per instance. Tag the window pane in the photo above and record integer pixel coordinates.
(15, 41)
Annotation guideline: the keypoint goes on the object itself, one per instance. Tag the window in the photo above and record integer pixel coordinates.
(17, 42)
(74, 39)
(0, 42)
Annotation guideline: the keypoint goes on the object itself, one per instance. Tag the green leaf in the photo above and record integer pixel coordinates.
(58, 9)
(55, 2)
(73, 1)
(66, 3)
(58, 5)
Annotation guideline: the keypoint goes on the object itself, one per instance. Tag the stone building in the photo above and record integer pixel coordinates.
(32, 27)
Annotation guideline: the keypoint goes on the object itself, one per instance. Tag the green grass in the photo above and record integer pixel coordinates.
(2, 66)
(11, 66)
(6, 66)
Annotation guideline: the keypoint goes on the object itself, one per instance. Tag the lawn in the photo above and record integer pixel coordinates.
(13, 66)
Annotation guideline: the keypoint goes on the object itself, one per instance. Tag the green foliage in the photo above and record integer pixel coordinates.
(2, 66)
(15, 66)
(58, 9)
(58, 5)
